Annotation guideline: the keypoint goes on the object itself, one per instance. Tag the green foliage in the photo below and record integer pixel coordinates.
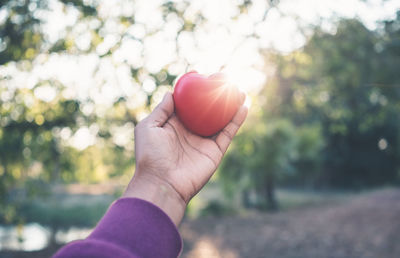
(27, 141)
(21, 37)
(268, 153)
(337, 81)
(360, 110)
(310, 143)
(330, 118)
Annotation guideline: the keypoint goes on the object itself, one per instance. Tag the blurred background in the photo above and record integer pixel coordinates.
(314, 172)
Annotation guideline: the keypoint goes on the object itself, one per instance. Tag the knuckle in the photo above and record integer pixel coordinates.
(227, 133)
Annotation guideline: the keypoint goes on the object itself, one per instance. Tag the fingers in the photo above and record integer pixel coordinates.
(162, 112)
(225, 137)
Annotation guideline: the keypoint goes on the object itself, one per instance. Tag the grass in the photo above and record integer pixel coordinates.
(211, 200)
(293, 198)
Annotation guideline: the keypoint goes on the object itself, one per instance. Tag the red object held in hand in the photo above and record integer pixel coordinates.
(205, 105)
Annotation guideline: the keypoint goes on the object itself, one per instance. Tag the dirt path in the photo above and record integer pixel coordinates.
(364, 226)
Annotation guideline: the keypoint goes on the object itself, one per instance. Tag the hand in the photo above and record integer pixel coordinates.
(173, 164)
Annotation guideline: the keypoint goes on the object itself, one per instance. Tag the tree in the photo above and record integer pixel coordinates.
(28, 139)
(36, 134)
(266, 154)
(329, 117)
(337, 80)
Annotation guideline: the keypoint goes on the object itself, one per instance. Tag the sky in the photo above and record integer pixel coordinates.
(221, 43)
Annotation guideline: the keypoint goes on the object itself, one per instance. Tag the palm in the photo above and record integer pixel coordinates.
(173, 154)
(188, 159)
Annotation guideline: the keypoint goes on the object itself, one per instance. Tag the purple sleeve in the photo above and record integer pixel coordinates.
(130, 228)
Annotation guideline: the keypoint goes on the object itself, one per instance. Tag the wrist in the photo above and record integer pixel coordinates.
(159, 192)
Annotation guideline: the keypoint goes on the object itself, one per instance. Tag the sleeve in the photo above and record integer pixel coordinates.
(130, 228)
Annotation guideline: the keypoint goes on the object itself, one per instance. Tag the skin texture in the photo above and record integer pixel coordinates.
(172, 163)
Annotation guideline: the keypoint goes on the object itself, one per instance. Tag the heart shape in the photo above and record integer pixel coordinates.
(205, 105)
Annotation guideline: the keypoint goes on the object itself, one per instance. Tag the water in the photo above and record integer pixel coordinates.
(33, 236)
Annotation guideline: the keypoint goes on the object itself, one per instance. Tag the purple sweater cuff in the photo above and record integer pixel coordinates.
(130, 226)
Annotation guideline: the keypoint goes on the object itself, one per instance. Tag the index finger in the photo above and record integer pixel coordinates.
(225, 137)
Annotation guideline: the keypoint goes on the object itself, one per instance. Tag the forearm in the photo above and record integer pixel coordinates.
(159, 193)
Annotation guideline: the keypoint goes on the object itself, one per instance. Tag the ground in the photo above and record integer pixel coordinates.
(366, 225)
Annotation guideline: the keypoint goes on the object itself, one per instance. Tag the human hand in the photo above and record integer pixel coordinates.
(173, 164)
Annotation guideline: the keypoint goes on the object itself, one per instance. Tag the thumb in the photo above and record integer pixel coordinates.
(162, 112)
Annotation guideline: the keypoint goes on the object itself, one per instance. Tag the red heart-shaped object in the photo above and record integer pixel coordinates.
(205, 105)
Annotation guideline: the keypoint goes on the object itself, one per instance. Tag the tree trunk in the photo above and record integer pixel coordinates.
(52, 241)
(55, 175)
(4, 185)
(270, 192)
(246, 199)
